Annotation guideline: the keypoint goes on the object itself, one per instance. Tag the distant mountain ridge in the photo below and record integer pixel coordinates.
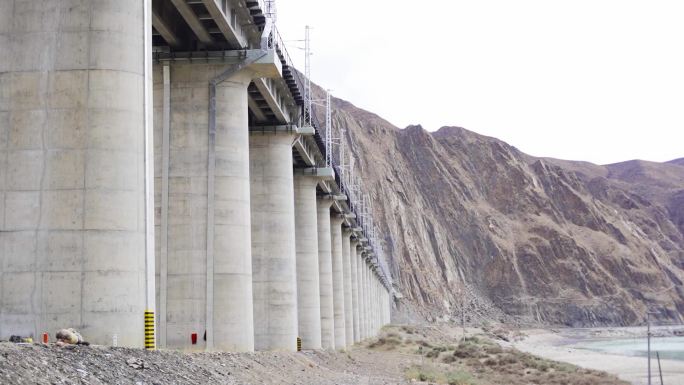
(538, 239)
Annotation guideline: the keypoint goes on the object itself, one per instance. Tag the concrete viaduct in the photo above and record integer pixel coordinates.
(159, 156)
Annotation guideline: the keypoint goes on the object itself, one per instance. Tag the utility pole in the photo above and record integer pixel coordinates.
(660, 371)
(648, 339)
(308, 103)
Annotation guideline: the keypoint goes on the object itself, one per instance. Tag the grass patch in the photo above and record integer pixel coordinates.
(428, 373)
(478, 360)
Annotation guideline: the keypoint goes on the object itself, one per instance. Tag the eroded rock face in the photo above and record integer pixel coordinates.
(541, 239)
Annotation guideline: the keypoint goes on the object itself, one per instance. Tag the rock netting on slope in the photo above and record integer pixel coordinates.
(543, 240)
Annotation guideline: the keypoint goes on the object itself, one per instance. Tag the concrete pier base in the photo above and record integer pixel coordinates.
(308, 283)
(338, 279)
(325, 274)
(274, 266)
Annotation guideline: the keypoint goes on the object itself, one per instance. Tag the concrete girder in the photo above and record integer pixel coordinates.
(256, 110)
(193, 21)
(301, 145)
(164, 29)
(232, 36)
(321, 173)
(273, 97)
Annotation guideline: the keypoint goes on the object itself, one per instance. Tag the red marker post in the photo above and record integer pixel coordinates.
(46, 338)
(193, 338)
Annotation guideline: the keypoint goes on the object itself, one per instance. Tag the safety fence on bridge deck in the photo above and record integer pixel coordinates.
(358, 203)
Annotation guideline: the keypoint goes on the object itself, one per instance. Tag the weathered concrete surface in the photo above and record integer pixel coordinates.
(355, 288)
(231, 280)
(338, 279)
(325, 274)
(346, 270)
(364, 290)
(274, 264)
(72, 167)
(361, 293)
(308, 283)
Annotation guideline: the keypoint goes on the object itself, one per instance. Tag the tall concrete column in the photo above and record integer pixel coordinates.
(274, 265)
(355, 288)
(72, 162)
(376, 308)
(348, 311)
(371, 290)
(369, 314)
(362, 310)
(308, 283)
(372, 302)
(207, 252)
(326, 274)
(338, 279)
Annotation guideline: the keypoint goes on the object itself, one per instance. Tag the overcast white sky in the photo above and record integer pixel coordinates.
(596, 80)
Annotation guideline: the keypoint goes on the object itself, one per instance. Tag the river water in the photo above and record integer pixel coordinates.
(668, 347)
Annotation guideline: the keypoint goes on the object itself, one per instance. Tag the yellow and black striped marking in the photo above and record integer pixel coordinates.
(149, 330)
(299, 344)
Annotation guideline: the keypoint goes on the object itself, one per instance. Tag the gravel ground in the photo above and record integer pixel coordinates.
(433, 354)
(51, 364)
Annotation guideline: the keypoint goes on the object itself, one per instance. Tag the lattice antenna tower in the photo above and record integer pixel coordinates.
(366, 219)
(350, 180)
(270, 9)
(330, 139)
(308, 97)
(343, 158)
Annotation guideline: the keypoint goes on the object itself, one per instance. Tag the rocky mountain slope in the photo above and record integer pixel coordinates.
(471, 221)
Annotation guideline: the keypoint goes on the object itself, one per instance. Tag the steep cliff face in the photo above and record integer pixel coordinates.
(470, 219)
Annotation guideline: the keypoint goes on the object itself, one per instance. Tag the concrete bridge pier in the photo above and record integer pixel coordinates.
(72, 116)
(274, 264)
(325, 267)
(373, 302)
(376, 303)
(362, 293)
(308, 282)
(355, 289)
(205, 226)
(369, 299)
(348, 311)
(338, 279)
